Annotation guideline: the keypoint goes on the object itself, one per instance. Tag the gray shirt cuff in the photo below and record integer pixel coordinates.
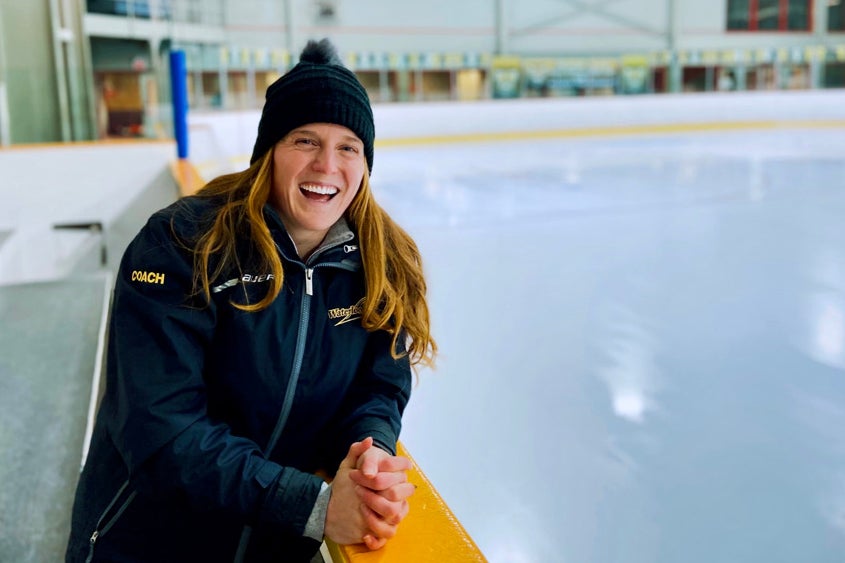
(316, 524)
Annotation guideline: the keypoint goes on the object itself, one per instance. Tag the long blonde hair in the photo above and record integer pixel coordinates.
(395, 286)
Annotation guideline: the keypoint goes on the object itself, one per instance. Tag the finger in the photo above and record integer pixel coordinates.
(381, 528)
(369, 466)
(356, 450)
(396, 493)
(387, 510)
(391, 512)
(394, 463)
(399, 492)
(380, 482)
(374, 543)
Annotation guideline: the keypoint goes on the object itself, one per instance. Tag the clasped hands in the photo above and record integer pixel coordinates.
(369, 496)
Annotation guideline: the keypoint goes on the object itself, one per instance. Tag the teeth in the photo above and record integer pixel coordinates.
(323, 190)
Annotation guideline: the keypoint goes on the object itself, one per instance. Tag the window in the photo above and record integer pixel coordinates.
(834, 75)
(836, 15)
(738, 11)
(798, 16)
(770, 15)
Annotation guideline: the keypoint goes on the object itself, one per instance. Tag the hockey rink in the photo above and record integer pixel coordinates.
(642, 343)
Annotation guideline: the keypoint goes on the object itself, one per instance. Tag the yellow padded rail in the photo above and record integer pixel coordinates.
(186, 176)
(429, 533)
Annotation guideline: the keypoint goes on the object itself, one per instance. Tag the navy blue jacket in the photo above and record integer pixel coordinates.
(214, 418)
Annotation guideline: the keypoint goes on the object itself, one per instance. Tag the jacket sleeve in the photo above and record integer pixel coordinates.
(160, 420)
(376, 400)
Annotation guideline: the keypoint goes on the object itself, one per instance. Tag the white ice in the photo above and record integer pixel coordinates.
(642, 343)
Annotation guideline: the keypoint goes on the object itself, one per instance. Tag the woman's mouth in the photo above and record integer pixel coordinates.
(317, 192)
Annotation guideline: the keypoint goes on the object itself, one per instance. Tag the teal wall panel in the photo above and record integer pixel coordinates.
(30, 73)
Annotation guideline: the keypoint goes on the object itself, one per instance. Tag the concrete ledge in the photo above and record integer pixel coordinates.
(74, 183)
(48, 353)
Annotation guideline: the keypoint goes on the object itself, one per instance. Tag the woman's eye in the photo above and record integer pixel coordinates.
(305, 141)
(349, 148)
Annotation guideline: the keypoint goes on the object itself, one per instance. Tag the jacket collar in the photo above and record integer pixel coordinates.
(339, 233)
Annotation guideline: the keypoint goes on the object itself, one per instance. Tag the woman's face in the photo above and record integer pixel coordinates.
(317, 170)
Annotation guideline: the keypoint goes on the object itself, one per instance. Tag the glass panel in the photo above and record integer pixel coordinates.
(834, 75)
(165, 9)
(836, 15)
(134, 8)
(799, 12)
(738, 11)
(767, 14)
(105, 7)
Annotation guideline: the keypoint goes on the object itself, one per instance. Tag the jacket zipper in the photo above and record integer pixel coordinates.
(100, 529)
(309, 274)
(287, 403)
(290, 391)
(309, 281)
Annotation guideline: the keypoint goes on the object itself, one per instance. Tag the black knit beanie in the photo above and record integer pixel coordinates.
(319, 89)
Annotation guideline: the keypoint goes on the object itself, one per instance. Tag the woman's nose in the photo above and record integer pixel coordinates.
(325, 160)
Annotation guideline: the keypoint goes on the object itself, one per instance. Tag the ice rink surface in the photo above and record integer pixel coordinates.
(642, 343)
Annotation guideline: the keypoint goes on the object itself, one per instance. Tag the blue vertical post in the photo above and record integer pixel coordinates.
(179, 87)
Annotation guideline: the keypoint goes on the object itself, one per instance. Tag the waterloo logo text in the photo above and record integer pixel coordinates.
(347, 314)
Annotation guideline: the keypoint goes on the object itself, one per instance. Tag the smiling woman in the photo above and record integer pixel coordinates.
(226, 396)
(318, 169)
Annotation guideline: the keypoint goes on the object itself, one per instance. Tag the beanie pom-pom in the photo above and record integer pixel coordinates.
(320, 52)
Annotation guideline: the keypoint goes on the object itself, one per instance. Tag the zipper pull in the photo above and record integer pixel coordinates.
(91, 543)
(309, 281)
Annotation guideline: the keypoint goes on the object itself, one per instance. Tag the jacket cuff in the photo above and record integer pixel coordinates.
(290, 501)
(389, 448)
(384, 440)
(316, 526)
